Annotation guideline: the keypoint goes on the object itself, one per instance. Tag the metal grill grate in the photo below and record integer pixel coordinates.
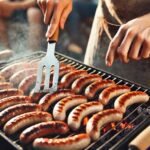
(111, 139)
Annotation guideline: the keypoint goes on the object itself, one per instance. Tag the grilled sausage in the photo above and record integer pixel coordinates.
(36, 96)
(9, 70)
(79, 84)
(97, 121)
(81, 111)
(20, 75)
(130, 98)
(26, 84)
(60, 109)
(17, 123)
(10, 92)
(65, 69)
(13, 100)
(115, 90)
(15, 110)
(68, 79)
(5, 85)
(97, 86)
(43, 129)
(76, 142)
(6, 54)
(49, 99)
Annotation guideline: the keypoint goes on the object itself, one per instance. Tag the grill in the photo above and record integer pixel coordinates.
(135, 120)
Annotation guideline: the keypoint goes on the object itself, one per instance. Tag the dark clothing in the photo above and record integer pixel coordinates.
(82, 11)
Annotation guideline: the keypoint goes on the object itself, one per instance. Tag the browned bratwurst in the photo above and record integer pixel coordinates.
(14, 100)
(76, 142)
(49, 99)
(17, 77)
(68, 79)
(17, 123)
(26, 84)
(130, 98)
(98, 120)
(10, 92)
(79, 84)
(16, 110)
(43, 129)
(115, 90)
(77, 114)
(8, 71)
(61, 108)
(96, 87)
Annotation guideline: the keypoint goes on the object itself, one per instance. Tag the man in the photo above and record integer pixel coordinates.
(20, 11)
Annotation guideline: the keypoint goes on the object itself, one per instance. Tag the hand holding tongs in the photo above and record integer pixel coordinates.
(49, 62)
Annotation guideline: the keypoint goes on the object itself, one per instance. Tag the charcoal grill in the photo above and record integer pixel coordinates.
(115, 139)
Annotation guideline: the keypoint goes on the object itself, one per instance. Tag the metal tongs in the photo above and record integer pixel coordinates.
(49, 62)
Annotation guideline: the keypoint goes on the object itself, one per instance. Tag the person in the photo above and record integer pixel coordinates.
(138, 29)
(130, 43)
(20, 11)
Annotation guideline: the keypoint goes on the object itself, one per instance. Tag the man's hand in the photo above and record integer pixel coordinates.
(55, 13)
(132, 41)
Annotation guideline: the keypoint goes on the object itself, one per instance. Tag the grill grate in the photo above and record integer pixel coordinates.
(111, 139)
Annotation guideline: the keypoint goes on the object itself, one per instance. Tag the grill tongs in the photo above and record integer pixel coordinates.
(51, 64)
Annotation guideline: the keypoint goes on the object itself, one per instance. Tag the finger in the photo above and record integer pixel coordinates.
(111, 53)
(65, 15)
(48, 12)
(124, 47)
(135, 48)
(55, 20)
(145, 52)
(42, 5)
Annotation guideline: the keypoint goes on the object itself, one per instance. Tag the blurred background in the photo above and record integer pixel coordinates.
(22, 30)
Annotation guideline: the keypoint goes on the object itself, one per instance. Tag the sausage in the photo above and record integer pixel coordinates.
(115, 90)
(49, 99)
(9, 70)
(60, 109)
(65, 69)
(36, 96)
(6, 54)
(81, 111)
(130, 98)
(15, 110)
(43, 129)
(76, 142)
(68, 79)
(17, 123)
(10, 92)
(142, 141)
(26, 84)
(5, 85)
(17, 77)
(13, 100)
(96, 87)
(80, 83)
(97, 121)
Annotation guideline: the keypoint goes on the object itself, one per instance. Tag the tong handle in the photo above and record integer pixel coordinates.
(55, 36)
